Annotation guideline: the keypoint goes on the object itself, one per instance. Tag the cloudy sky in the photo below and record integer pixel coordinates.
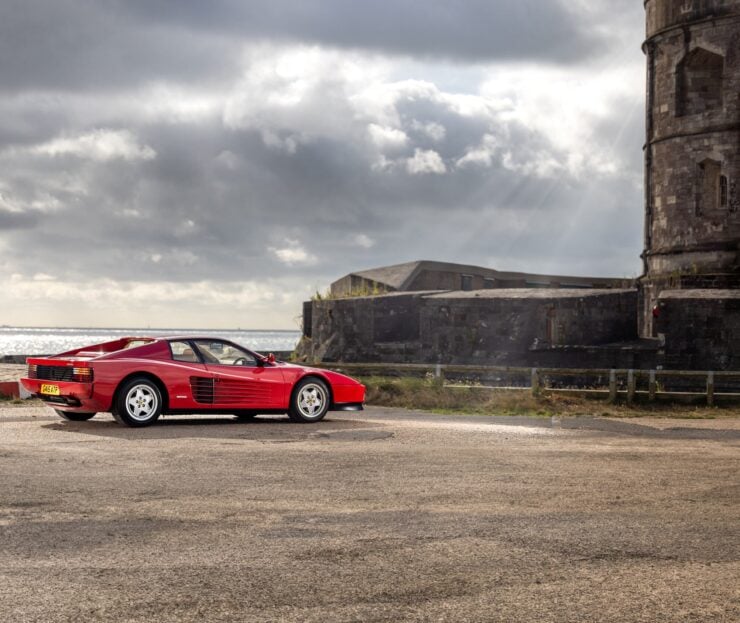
(212, 164)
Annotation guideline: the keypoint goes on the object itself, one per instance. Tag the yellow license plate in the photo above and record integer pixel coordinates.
(51, 390)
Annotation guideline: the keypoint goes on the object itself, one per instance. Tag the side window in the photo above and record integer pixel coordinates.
(225, 354)
(182, 351)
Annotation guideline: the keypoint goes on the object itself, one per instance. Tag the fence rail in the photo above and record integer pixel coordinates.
(610, 383)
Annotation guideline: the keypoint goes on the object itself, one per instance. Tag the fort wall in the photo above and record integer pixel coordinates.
(701, 329)
(492, 327)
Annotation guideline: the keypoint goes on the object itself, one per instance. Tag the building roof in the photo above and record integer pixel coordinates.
(400, 276)
(394, 276)
(528, 293)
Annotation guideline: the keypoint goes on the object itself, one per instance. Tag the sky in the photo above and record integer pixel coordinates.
(213, 164)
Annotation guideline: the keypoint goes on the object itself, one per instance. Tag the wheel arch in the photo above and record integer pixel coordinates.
(313, 375)
(146, 375)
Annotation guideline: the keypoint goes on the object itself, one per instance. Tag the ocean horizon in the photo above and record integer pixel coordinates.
(16, 340)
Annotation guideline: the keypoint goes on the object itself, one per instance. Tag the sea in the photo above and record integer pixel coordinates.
(52, 340)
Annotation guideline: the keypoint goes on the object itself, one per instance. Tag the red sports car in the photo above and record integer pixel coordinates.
(139, 378)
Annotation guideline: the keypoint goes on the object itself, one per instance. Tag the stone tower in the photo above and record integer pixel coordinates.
(692, 151)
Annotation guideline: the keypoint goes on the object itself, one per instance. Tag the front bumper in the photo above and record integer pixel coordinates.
(350, 394)
(347, 406)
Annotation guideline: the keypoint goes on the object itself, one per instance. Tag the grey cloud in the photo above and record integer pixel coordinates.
(81, 44)
(191, 214)
(17, 220)
(68, 45)
(471, 30)
(218, 198)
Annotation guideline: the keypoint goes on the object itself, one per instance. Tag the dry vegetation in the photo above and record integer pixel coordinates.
(427, 395)
(424, 394)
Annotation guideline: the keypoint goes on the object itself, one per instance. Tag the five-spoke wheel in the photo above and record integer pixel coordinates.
(310, 401)
(138, 402)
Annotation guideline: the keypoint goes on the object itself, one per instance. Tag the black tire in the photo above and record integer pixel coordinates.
(309, 401)
(245, 415)
(138, 402)
(73, 416)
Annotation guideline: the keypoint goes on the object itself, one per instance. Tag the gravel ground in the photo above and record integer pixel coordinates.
(11, 372)
(377, 516)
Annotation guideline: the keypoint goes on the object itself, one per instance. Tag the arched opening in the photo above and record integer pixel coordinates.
(722, 191)
(711, 187)
(699, 82)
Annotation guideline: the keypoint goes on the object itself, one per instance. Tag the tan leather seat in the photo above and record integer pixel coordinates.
(188, 355)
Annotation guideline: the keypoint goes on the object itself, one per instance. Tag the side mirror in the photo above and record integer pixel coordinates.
(271, 358)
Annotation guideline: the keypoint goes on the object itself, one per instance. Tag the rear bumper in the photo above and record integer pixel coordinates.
(72, 396)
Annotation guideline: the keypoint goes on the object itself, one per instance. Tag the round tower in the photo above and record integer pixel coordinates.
(692, 150)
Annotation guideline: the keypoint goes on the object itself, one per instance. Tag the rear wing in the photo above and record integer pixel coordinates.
(95, 350)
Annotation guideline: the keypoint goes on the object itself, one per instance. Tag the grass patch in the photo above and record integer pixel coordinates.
(426, 394)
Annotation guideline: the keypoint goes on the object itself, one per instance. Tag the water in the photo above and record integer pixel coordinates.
(52, 340)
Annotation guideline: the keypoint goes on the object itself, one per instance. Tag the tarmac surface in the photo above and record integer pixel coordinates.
(383, 515)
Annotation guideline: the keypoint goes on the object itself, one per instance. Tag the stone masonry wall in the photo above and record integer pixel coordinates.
(692, 156)
(490, 327)
(687, 216)
(701, 329)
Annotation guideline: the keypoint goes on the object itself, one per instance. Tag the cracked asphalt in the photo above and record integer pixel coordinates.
(384, 515)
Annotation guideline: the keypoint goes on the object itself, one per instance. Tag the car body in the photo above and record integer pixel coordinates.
(139, 378)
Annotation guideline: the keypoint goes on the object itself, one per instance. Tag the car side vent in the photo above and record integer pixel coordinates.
(202, 388)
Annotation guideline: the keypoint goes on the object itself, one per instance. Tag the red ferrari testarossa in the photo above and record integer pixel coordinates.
(137, 379)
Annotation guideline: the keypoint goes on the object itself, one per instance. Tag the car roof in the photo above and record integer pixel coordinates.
(185, 338)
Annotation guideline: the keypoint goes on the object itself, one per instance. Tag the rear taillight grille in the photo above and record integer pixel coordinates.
(60, 373)
(54, 373)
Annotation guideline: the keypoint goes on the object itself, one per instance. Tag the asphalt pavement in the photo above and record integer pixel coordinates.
(383, 515)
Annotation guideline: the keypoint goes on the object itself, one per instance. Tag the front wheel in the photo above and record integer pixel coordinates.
(138, 403)
(73, 416)
(310, 401)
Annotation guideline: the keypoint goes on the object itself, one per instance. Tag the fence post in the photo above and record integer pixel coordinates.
(439, 373)
(535, 382)
(630, 386)
(612, 386)
(652, 386)
(710, 388)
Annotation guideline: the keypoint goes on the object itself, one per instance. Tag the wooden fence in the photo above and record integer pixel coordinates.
(612, 384)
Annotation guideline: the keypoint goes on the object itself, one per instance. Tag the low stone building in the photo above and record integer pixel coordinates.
(518, 326)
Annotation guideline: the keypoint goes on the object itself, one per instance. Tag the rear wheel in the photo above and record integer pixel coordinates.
(73, 416)
(138, 403)
(310, 401)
